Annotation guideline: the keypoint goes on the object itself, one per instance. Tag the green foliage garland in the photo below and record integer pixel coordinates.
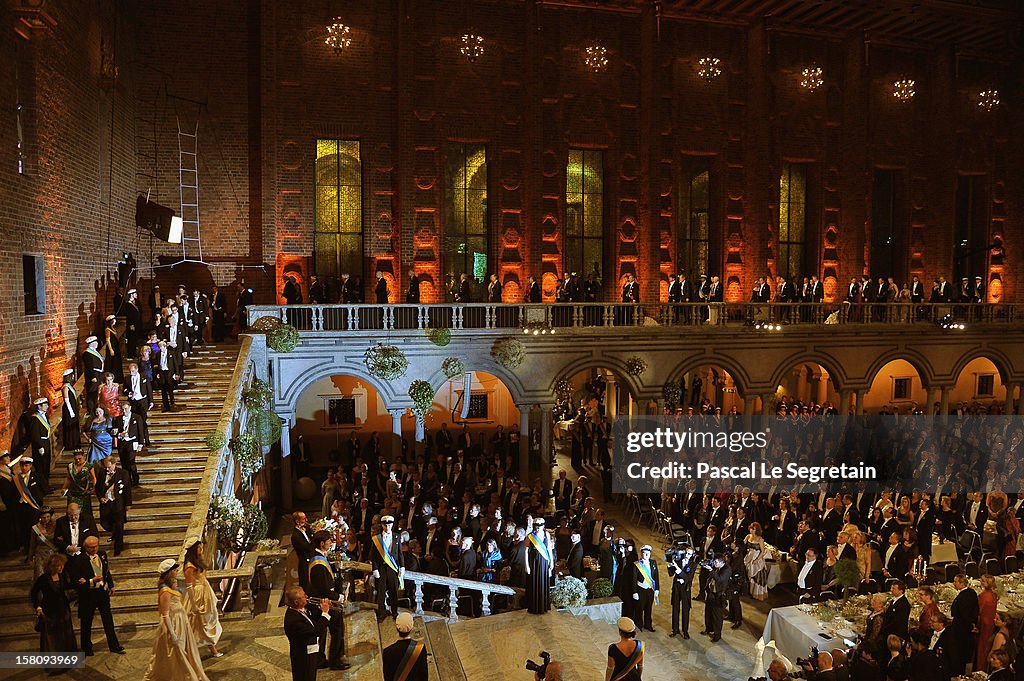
(264, 324)
(215, 441)
(422, 394)
(635, 366)
(439, 337)
(601, 588)
(508, 352)
(847, 572)
(265, 426)
(386, 362)
(673, 394)
(283, 338)
(258, 395)
(247, 451)
(453, 367)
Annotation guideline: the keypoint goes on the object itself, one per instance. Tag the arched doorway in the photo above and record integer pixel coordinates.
(980, 389)
(896, 388)
(708, 388)
(808, 383)
(490, 410)
(597, 390)
(333, 409)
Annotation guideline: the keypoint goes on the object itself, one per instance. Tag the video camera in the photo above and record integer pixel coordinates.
(677, 552)
(540, 669)
(806, 666)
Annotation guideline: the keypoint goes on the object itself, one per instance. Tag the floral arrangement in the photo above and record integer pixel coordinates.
(563, 387)
(508, 352)
(251, 528)
(569, 592)
(265, 426)
(329, 524)
(264, 324)
(258, 395)
(946, 593)
(422, 394)
(268, 544)
(635, 366)
(847, 572)
(283, 338)
(973, 676)
(452, 367)
(824, 613)
(439, 337)
(247, 452)
(386, 362)
(673, 394)
(225, 512)
(601, 588)
(215, 441)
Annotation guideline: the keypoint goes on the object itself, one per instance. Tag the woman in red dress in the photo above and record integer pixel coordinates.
(109, 396)
(988, 599)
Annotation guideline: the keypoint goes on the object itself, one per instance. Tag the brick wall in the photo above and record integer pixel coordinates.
(75, 203)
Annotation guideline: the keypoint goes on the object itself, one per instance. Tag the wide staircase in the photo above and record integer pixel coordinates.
(170, 472)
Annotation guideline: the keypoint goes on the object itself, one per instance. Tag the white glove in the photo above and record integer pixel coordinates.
(401, 572)
(636, 597)
(376, 574)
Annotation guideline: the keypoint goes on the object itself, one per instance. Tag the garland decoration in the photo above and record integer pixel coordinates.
(453, 367)
(508, 352)
(439, 337)
(422, 394)
(386, 362)
(635, 366)
(283, 338)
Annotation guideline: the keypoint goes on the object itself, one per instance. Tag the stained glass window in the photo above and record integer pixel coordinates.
(466, 244)
(789, 261)
(584, 213)
(338, 244)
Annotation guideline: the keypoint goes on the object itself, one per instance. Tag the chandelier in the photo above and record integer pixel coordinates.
(339, 35)
(595, 56)
(471, 46)
(811, 78)
(903, 90)
(708, 68)
(988, 100)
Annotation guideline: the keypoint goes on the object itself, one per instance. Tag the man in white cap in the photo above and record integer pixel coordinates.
(406, 658)
(645, 587)
(388, 568)
(93, 376)
(304, 628)
(41, 438)
(133, 323)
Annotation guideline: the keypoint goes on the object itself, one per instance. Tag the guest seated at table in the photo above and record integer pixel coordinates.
(809, 579)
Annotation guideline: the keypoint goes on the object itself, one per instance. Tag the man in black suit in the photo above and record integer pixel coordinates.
(925, 526)
(133, 323)
(806, 538)
(999, 663)
(897, 613)
(810, 576)
(90, 572)
(946, 646)
(304, 628)
(412, 296)
(718, 589)
(405, 659)
(302, 545)
(645, 587)
(844, 549)
(630, 290)
(924, 664)
(41, 438)
(533, 292)
(517, 560)
(380, 289)
(964, 612)
(388, 568)
(168, 373)
(323, 585)
(894, 558)
(710, 547)
(200, 305)
(219, 311)
(130, 439)
(574, 561)
(976, 513)
(718, 515)
(71, 530)
(464, 293)
(114, 490)
(682, 571)
(562, 491)
(140, 396)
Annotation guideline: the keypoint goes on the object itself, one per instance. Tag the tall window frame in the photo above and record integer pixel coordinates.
(970, 237)
(583, 250)
(694, 236)
(791, 255)
(339, 239)
(883, 224)
(466, 246)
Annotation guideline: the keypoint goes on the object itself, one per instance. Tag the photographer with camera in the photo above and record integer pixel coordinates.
(719, 575)
(625, 658)
(549, 671)
(681, 568)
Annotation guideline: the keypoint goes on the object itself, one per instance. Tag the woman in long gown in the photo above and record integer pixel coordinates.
(40, 542)
(109, 395)
(539, 564)
(71, 425)
(626, 658)
(100, 440)
(754, 559)
(49, 596)
(988, 599)
(112, 349)
(200, 601)
(80, 482)
(175, 653)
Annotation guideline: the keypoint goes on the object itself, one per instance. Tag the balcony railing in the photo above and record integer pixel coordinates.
(510, 316)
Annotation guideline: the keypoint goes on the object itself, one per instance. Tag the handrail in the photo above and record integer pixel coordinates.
(453, 584)
(547, 316)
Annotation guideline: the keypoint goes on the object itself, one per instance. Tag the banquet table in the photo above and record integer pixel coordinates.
(943, 553)
(794, 632)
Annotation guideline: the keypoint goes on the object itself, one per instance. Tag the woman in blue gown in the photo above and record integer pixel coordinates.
(101, 442)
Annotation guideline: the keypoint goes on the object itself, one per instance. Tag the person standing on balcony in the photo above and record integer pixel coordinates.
(714, 297)
(317, 295)
(533, 292)
(291, 292)
(494, 290)
(413, 295)
(630, 290)
(464, 293)
(380, 289)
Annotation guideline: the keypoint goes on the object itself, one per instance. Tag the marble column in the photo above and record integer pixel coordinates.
(1008, 402)
(861, 396)
(932, 397)
(396, 432)
(545, 445)
(524, 441)
(766, 404)
(612, 396)
(822, 387)
(844, 402)
(748, 413)
(286, 461)
(946, 391)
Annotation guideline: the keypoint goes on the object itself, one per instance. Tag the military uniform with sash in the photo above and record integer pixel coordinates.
(323, 584)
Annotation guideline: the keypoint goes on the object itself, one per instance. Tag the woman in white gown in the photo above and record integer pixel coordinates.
(200, 601)
(175, 653)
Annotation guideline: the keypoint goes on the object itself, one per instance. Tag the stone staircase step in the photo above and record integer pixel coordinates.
(444, 653)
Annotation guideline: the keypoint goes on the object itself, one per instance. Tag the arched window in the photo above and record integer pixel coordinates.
(584, 213)
(466, 245)
(338, 242)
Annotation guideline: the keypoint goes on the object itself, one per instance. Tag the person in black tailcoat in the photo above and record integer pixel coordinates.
(574, 561)
(219, 310)
(303, 546)
(518, 569)
(114, 490)
(323, 585)
(304, 628)
(413, 295)
(380, 289)
(90, 573)
(405, 654)
(388, 567)
(682, 571)
(540, 564)
(896, 619)
(714, 608)
(645, 587)
(130, 439)
(964, 612)
(41, 435)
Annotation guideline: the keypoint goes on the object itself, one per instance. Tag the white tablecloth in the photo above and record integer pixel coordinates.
(943, 553)
(794, 632)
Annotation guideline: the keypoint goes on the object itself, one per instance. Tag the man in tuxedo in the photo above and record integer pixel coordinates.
(513, 501)
(964, 611)
(323, 585)
(71, 530)
(925, 526)
(168, 373)
(999, 664)
(412, 296)
(90, 572)
(432, 536)
(595, 532)
(30, 495)
(533, 292)
(380, 289)
(494, 290)
(718, 589)
(388, 568)
(806, 538)
(715, 295)
(946, 646)
(574, 561)
(630, 290)
(130, 439)
(717, 516)
(304, 628)
(897, 614)
(200, 315)
(93, 374)
(894, 558)
(140, 396)
(562, 491)
(844, 549)
(709, 548)
(645, 587)
(302, 545)
(114, 490)
(405, 659)
(133, 323)
(976, 513)
(681, 572)
(810, 576)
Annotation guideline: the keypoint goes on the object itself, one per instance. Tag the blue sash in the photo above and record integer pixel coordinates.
(42, 420)
(541, 547)
(320, 560)
(95, 353)
(631, 663)
(386, 555)
(648, 579)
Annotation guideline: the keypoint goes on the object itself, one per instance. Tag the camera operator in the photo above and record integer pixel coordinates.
(819, 668)
(737, 583)
(839, 665)
(549, 671)
(681, 568)
(714, 609)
